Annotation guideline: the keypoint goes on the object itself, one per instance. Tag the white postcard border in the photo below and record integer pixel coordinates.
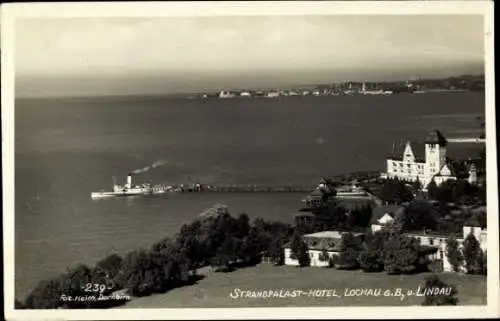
(11, 12)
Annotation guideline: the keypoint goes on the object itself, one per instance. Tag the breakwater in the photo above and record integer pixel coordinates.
(466, 140)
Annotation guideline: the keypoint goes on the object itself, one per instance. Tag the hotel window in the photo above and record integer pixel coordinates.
(431, 242)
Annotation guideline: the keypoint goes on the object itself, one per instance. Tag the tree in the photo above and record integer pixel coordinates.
(242, 226)
(225, 255)
(401, 255)
(324, 256)
(461, 189)
(438, 293)
(419, 215)
(359, 217)
(432, 190)
(250, 251)
(350, 249)
(444, 192)
(371, 258)
(333, 260)
(110, 267)
(303, 255)
(395, 191)
(300, 250)
(454, 254)
(47, 294)
(416, 185)
(295, 244)
(276, 251)
(134, 278)
(333, 217)
(472, 251)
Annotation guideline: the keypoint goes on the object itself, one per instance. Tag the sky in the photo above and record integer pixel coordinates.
(106, 56)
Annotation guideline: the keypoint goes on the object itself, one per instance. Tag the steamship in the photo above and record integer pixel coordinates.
(129, 190)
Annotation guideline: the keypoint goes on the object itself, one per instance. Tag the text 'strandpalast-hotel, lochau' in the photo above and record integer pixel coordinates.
(425, 164)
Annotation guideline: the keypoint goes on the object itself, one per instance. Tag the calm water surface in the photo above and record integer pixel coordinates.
(67, 148)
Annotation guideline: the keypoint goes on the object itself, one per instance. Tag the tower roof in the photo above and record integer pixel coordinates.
(435, 137)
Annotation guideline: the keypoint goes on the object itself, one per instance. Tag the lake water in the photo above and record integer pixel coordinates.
(67, 148)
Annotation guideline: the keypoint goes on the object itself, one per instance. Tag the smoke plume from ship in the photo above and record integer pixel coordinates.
(147, 168)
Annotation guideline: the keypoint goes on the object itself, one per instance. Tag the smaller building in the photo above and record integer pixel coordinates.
(384, 216)
(314, 200)
(324, 193)
(319, 244)
(447, 172)
(437, 241)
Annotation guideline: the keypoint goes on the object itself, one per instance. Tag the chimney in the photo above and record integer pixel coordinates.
(129, 181)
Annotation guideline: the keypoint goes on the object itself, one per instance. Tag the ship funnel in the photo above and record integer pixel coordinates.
(129, 180)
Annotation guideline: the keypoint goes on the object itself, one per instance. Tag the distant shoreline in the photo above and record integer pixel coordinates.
(190, 96)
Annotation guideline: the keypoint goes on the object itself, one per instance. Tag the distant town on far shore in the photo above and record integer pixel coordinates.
(460, 83)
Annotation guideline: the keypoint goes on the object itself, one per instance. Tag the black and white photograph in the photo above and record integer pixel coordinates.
(262, 159)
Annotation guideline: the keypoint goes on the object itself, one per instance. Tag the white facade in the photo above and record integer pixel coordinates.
(410, 168)
(444, 175)
(383, 221)
(317, 242)
(288, 258)
(432, 165)
(225, 94)
(440, 242)
(314, 256)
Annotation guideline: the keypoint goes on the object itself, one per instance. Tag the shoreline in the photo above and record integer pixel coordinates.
(157, 96)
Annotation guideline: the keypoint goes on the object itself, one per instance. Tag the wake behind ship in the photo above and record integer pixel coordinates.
(129, 190)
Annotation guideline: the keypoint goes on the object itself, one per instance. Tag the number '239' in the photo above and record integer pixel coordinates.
(97, 287)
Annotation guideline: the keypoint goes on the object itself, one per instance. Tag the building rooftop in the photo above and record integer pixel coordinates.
(380, 211)
(436, 137)
(304, 214)
(474, 221)
(418, 149)
(326, 240)
(330, 234)
(439, 234)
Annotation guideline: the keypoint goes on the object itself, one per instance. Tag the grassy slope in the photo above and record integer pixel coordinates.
(214, 290)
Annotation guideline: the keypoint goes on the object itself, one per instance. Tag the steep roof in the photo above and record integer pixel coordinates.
(380, 211)
(473, 221)
(316, 192)
(436, 137)
(418, 149)
(450, 167)
(329, 240)
(457, 169)
(353, 204)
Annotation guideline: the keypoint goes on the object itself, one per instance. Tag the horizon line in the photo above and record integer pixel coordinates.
(250, 88)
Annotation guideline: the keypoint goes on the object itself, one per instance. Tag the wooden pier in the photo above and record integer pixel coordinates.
(240, 189)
